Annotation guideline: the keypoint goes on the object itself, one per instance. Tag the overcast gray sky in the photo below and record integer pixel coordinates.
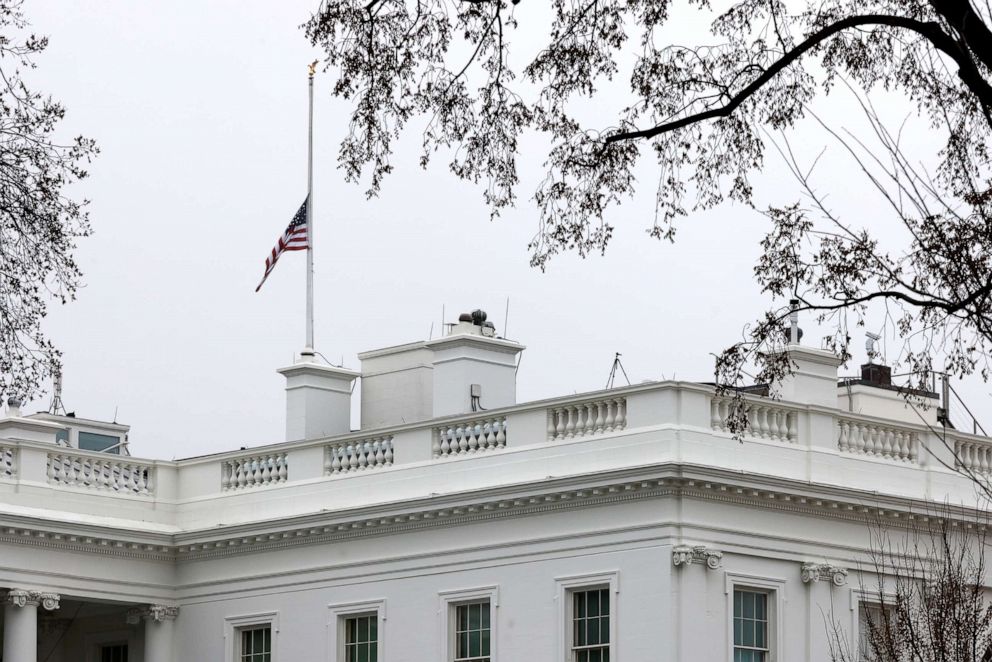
(200, 112)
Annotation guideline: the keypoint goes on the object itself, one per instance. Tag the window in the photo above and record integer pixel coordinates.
(468, 623)
(355, 631)
(880, 619)
(256, 644)
(91, 441)
(113, 653)
(252, 637)
(591, 625)
(750, 626)
(588, 613)
(472, 632)
(361, 638)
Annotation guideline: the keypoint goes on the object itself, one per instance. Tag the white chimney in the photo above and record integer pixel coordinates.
(318, 399)
(467, 370)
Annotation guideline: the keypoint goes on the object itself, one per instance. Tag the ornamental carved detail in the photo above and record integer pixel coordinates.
(814, 572)
(687, 555)
(21, 598)
(156, 613)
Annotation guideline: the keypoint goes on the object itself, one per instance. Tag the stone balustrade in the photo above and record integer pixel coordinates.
(360, 455)
(973, 455)
(469, 437)
(541, 428)
(254, 471)
(587, 418)
(866, 437)
(765, 419)
(101, 472)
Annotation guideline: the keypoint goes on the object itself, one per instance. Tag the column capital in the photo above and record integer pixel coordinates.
(156, 613)
(814, 572)
(22, 598)
(687, 555)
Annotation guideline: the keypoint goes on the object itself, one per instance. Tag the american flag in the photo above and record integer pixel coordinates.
(295, 238)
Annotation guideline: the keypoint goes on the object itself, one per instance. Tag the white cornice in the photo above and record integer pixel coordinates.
(659, 481)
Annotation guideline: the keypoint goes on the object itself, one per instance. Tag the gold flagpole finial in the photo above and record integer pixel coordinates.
(312, 68)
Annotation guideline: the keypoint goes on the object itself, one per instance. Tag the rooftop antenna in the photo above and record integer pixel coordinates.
(57, 408)
(870, 344)
(613, 371)
(506, 317)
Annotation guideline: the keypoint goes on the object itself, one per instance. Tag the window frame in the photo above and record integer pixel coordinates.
(338, 613)
(774, 588)
(566, 587)
(448, 603)
(235, 625)
(866, 598)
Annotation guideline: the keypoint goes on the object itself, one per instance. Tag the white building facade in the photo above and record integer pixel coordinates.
(625, 525)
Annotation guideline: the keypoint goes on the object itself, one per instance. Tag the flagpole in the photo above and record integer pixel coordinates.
(309, 349)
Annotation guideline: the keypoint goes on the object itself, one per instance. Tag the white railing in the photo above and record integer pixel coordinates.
(359, 455)
(116, 474)
(469, 437)
(764, 420)
(254, 471)
(975, 456)
(8, 462)
(868, 438)
(587, 418)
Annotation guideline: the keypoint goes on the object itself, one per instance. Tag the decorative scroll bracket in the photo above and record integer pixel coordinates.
(21, 598)
(814, 572)
(157, 613)
(686, 555)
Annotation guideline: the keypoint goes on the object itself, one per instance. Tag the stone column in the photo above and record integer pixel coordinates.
(20, 614)
(159, 621)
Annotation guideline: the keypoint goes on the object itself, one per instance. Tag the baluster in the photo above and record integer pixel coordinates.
(389, 452)
(336, 452)
(380, 453)
(487, 435)
(621, 422)
(364, 455)
(715, 422)
(961, 452)
(598, 423)
(351, 456)
(611, 416)
(501, 433)
(569, 422)
(983, 459)
(283, 467)
(446, 441)
(559, 423)
(460, 434)
(225, 475)
(551, 424)
(902, 448)
(843, 441)
(886, 438)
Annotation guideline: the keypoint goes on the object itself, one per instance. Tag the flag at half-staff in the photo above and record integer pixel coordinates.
(295, 238)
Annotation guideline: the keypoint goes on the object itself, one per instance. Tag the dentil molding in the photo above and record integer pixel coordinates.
(814, 572)
(686, 555)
